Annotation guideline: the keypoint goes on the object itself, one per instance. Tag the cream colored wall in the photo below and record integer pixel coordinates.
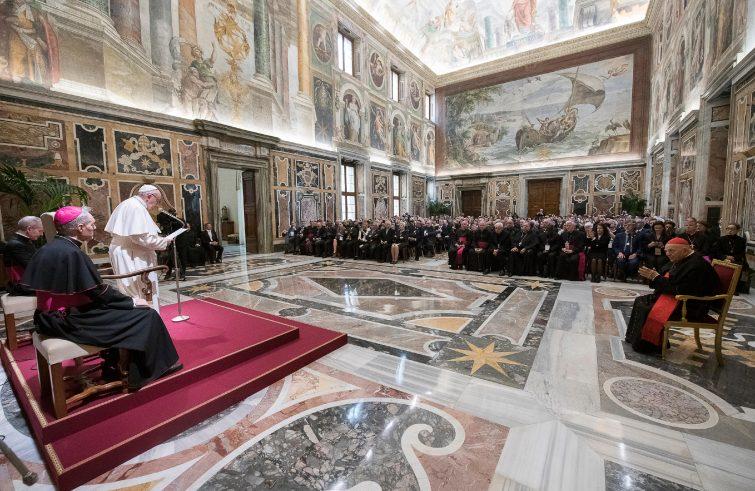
(229, 194)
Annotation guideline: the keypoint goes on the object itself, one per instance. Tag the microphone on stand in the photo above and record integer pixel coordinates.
(162, 210)
(180, 317)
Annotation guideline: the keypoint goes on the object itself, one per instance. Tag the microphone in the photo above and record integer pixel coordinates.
(162, 210)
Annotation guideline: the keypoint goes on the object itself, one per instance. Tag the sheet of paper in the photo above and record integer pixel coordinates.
(175, 234)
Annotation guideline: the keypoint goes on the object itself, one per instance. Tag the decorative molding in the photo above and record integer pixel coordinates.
(40, 97)
(228, 133)
(546, 53)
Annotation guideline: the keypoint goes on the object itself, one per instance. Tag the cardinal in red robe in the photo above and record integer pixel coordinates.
(687, 273)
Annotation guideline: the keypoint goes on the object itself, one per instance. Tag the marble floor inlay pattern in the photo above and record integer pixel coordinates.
(686, 360)
(452, 380)
(423, 315)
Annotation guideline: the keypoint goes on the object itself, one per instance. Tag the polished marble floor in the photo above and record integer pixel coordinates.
(455, 380)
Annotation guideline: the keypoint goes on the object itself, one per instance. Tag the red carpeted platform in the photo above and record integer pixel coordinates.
(228, 353)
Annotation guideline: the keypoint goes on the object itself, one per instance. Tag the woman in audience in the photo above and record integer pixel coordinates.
(597, 242)
(396, 238)
(655, 254)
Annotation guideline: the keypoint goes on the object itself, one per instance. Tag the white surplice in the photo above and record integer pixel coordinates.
(135, 240)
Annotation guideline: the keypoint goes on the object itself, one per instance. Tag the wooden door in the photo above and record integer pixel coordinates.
(250, 211)
(545, 194)
(471, 202)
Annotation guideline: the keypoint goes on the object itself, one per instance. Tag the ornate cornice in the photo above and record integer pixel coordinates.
(584, 43)
(581, 163)
(34, 96)
(229, 133)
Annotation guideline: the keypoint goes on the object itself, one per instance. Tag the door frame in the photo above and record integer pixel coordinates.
(524, 180)
(541, 178)
(483, 188)
(260, 167)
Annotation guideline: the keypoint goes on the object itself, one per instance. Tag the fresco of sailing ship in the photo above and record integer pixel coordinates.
(586, 90)
(576, 112)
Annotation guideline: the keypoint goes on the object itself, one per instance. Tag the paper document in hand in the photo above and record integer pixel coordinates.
(176, 233)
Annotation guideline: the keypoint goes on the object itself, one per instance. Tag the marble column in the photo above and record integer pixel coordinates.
(127, 20)
(261, 39)
(161, 32)
(305, 77)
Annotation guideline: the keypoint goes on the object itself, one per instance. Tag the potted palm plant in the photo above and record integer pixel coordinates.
(36, 194)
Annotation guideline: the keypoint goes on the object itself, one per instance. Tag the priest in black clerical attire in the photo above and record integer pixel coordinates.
(523, 249)
(18, 252)
(73, 303)
(688, 273)
(572, 243)
(461, 240)
(500, 245)
(732, 247)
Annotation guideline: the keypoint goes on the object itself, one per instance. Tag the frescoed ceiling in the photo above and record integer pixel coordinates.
(449, 35)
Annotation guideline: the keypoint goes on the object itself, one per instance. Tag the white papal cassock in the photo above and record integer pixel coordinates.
(135, 240)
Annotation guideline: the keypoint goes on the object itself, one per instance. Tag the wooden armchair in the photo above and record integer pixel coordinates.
(52, 352)
(728, 277)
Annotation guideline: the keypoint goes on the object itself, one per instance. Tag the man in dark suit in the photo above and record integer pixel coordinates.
(211, 244)
(18, 252)
(626, 247)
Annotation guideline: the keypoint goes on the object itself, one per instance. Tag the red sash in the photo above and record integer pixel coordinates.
(663, 308)
(47, 302)
(460, 251)
(15, 273)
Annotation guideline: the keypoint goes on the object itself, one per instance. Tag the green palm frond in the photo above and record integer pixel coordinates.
(40, 195)
(15, 183)
(53, 193)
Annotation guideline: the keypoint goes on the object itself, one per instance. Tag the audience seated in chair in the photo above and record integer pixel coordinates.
(626, 247)
(211, 244)
(733, 248)
(688, 273)
(18, 252)
(551, 246)
(573, 243)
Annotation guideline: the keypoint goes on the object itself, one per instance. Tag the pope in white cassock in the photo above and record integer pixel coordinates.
(135, 240)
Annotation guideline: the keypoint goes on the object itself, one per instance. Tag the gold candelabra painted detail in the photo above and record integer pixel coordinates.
(234, 42)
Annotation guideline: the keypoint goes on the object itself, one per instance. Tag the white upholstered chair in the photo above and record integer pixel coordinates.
(14, 307)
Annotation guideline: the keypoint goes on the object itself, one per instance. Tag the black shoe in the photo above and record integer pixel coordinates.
(176, 367)
(182, 278)
(110, 373)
